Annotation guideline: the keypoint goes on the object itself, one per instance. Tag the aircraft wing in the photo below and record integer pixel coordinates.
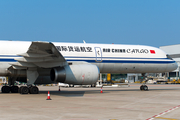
(40, 54)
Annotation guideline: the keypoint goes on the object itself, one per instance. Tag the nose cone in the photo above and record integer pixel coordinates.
(172, 66)
(175, 66)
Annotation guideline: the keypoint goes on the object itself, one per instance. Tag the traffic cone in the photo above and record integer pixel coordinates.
(101, 90)
(59, 88)
(48, 97)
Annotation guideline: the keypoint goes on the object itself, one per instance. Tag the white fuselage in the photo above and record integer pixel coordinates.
(110, 58)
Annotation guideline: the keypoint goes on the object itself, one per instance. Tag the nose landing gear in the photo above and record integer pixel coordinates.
(144, 87)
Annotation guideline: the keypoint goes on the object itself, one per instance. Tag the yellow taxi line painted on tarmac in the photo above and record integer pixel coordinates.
(165, 118)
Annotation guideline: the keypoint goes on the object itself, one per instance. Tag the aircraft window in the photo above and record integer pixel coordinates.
(168, 56)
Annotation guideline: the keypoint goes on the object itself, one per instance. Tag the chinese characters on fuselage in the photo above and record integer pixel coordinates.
(74, 49)
(107, 50)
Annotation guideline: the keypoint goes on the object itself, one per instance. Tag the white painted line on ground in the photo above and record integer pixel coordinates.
(160, 114)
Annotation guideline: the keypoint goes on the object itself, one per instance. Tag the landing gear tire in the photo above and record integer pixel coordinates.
(14, 89)
(144, 87)
(33, 90)
(24, 90)
(5, 89)
(20, 89)
(2, 89)
(93, 85)
(71, 85)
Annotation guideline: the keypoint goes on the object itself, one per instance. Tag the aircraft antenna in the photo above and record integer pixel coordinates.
(84, 41)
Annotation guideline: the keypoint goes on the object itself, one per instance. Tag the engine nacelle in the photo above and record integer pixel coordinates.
(84, 74)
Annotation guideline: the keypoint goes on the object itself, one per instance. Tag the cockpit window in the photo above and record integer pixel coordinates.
(169, 57)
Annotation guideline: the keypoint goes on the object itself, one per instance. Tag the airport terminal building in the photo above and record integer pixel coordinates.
(174, 52)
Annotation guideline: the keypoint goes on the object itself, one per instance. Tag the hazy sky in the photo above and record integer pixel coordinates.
(147, 22)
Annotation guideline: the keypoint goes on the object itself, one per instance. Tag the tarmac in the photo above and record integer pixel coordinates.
(161, 102)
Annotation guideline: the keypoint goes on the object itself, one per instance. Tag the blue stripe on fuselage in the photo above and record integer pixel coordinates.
(125, 61)
(103, 61)
(112, 57)
(90, 57)
(7, 60)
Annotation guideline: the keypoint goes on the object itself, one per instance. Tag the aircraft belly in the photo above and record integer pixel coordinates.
(155, 68)
(131, 68)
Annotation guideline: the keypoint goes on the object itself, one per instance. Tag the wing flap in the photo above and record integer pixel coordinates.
(23, 64)
(40, 54)
(34, 55)
(34, 60)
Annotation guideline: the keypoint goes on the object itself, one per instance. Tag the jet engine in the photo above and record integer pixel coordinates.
(83, 74)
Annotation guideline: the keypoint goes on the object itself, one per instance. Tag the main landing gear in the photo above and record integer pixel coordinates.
(7, 89)
(144, 87)
(26, 90)
(21, 90)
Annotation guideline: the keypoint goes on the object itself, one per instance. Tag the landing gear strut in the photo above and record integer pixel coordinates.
(31, 75)
(10, 87)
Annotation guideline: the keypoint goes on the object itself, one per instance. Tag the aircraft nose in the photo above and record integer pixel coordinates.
(173, 66)
(176, 65)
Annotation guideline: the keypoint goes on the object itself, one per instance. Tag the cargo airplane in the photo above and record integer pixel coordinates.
(74, 63)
